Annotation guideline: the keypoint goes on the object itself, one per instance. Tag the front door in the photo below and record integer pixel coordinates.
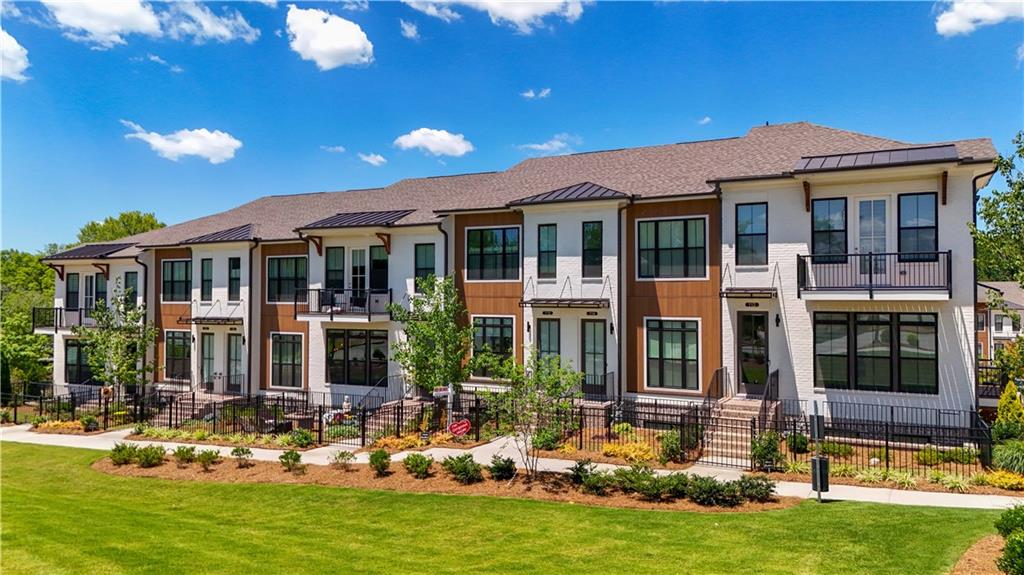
(872, 238)
(752, 352)
(206, 343)
(594, 362)
(235, 371)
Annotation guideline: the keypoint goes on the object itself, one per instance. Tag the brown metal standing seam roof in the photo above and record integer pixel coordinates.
(358, 219)
(579, 192)
(89, 252)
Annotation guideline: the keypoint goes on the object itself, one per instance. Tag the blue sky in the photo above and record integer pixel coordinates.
(285, 85)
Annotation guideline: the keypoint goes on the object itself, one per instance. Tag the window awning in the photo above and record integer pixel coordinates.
(750, 293)
(185, 320)
(566, 302)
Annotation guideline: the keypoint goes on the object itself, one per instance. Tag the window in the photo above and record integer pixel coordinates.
(918, 238)
(672, 354)
(378, 268)
(207, 359)
(981, 321)
(71, 292)
(424, 265)
(999, 322)
(672, 248)
(357, 357)
(131, 287)
(593, 249)
(492, 254)
(492, 334)
(831, 350)
(206, 279)
(549, 337)
(547, 250)
(90, 292)
(176, 277)
(285, 360)
(76, 365)
(752, 234)
(101, 289)
(1015, 323)
(358, 272)
(828, 230)
(873, 359)
(234, 279)
(334, 268)
(286, 277)
(177, 355)
(919, 362)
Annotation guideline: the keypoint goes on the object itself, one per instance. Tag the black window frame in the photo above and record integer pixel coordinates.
(980, 322)
(547, 259)
(658, 326)
(334, 277)
(206, 280)
(545, 347)
(917, 255)
(422, 272)
(903, 319)
(831, 257)
(175, 367)
(298, 283)
(131, 288)
(377, 259)
(656, 251)
(372, 366)
(831, 318)
(862, 319)
(489, 323)
(175, 290)
(234, 279)
(277, 367)
(592, 258)
(101, 289)
(68, 304)
(1000, 322)
(79, 372)
(763, 235)
(475, 270)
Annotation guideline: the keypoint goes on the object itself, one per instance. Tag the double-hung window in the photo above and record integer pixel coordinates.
(918, 233)
(981, 321)
(177, 355)
(357, 357)
(101, 289)
(548, 337)
(547, 251)
(71, 293)
(234, 279)
(285, 360)
(672, 249)
(752, 234)
(918, 356)
(76, 365)
(492, 254)
(424, 264)
(494, 335)
(672, 354)
(334, 268)
(206, 279)
(828, 231)
(176, 276)
(286, 277)
(593, 240)
(131, 287)
(831, 350)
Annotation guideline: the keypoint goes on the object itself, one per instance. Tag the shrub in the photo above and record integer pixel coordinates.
(463, 469)
(301, 438)
(979, 479)
(418, 465)
(936, 476)
(291, 461)
(1011, 520)
(764, 451)
(678, 484)
(89, 422)
(843, 470)
(547, 439)
(342, 432)
(671, 447)
(870, 476)
(404, 443)
(798, 467)
(184, 454)
(581, 470)
(655, 488)
(124, 453)
(903, 480)
(38, 420)
(756, 487)
(624, 430)
(200, 435)
(631, 479)
(632, 452)
(729, 496)
(879, 453)
(835, 449)
(928, 456)
(967, 455)
(242, 456)
(380, 461)
(597, 483)
(342, 460)
(1009, 456)
(705, 491)
(5, 416)
(1007, 430)
(207, 458)
(502, 468)
(150, 455)
(1012, 559)
(1006, 480)
(797, 443)
(955, 482)
(1009, 408)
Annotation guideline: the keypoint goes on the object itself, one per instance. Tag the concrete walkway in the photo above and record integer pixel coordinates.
(505, 447)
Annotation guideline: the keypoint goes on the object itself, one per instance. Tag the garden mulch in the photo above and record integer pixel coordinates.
(67, 431)
(598, 457)
(190, 441)
(980, 558)
(548, 487)
(922, 484)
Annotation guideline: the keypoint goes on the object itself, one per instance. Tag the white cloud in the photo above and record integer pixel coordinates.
(174, 68)
(409, 30)
(523, 16)
(190, 19)
(217, 147)
(704, 121)
(356, 5)
(1020, 54)
(965, 16)
(103, 23)
(9, 10)
(267, 3)
(13, 58)
(375, 160)
(436, 142)
(530, 94)
(558, 144)
(333, 149)
(327, 39)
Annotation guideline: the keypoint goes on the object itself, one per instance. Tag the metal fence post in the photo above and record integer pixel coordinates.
(476, 415)
(399, 418)
(106, 413)
(15, 408)
(320, 424)
(582, 427)
(362, 427)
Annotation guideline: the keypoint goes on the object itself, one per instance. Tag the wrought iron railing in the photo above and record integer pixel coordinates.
(59, 317)
(342, 302)
(598, 386)
(873, 272)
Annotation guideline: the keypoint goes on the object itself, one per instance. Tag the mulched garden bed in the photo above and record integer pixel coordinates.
(189, 441)
(980, 558)
(67, 431)
(598, 457)
(922, 484)
(548, 487)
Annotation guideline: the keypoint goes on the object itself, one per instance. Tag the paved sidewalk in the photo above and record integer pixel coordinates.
(506, 448)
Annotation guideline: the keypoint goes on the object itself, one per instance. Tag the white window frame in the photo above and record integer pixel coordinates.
(700, 359)
(636, 249)
(465, 255)
(270, 360)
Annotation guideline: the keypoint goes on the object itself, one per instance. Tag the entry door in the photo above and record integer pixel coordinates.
(235, 371)
(358, 278)
(208, 360)
(752, 352)
(872, 238)
(594, 360)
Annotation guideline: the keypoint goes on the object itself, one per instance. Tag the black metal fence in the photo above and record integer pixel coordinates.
(873, 272)
(112, 407)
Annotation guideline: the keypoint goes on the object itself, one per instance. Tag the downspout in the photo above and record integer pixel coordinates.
(974, 286)
(618, 297)
(440, 228)
(721, 316)
(248, 322)
(145, 302)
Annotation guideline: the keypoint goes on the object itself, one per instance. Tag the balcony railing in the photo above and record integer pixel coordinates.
(871, 272)
(991, 380)
(55, 318)
(598, 386)
(341, 303)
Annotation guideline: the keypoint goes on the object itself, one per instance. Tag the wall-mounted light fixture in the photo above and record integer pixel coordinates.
(611, 328)
(778, 320)
(527, 327)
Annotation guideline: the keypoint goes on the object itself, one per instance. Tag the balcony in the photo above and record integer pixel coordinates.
(343, 304)
(54, 319)
(893, 276)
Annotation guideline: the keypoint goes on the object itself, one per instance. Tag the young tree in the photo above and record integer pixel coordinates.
(437, 335)
(538, 399)
(116, 347)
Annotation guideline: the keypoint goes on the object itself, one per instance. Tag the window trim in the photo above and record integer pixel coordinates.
(80, 365)
(239, 261)
(465, 254)
(472, 321)
(849, 356)
(189, 280)
(899, 229)
(203, 280)
(416, 269)
(266, 281)
(124, 285)
(344, 261)
(584, 249)
(270, 360)
(707, 248)
(344, 333)
(558, 330)
(700, 359)
(737, 234)
(831, 259)
(77, 292)
(981, 321)
(898, 361)
(554, 273)
(167, 356)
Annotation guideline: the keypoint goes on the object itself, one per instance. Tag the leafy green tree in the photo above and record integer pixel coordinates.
(113, 228)
(26, 283)
(116, 346)
(437, 335)
(1000, 249)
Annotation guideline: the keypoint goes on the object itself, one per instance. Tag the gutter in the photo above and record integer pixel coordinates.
(248, 322)
(974, 286)
(440, 228)
(145, 302)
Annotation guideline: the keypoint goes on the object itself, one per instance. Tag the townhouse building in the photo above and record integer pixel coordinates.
(799, 252)
(996, 327)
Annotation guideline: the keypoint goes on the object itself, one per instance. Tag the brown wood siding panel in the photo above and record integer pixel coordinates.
(167, 314)
(490, 298)
(982, 309)
(699, 299)
(280, 317)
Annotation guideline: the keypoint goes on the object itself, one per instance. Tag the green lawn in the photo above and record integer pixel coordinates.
(59, 516)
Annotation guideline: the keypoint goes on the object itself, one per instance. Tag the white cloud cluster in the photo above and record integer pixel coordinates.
(333, 149)
(158, 60)
(217, 147)
(704, 121)
(190, 19)
(558, 144)
(435, 142)
(966, 16)
(103, 24)
(13, 58)
(540, 94)
(409, 30)
(327, 39)
(523, 16)
(356, 5)
(375, 160)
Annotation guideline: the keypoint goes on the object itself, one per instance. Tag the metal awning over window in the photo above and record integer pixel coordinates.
(566, 302)
(750, 293)
(187, 320)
